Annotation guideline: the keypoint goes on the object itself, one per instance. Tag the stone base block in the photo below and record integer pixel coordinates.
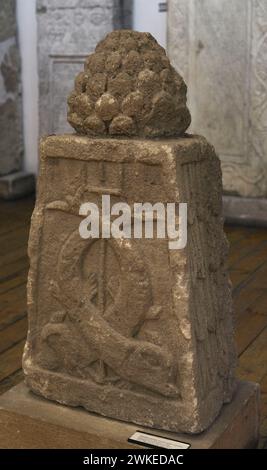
(16, 185)
(245, 211)
(143, 330)
(28, 421)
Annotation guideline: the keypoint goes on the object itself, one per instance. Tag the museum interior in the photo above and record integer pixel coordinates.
(219, 48)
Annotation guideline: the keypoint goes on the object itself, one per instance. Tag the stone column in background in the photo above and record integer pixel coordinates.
(220, 47)
(67, 31)
(10, 101)
(13, 182)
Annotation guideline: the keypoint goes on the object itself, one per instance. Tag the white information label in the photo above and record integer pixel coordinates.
(157, 441)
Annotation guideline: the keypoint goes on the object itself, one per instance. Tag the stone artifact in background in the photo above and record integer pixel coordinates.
(13, 181)
(127, 327)
(10, 88)
(225, 67)
(67, 31)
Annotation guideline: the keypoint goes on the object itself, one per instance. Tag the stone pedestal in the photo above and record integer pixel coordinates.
(28, 421)
(130, 328)
(245, 211)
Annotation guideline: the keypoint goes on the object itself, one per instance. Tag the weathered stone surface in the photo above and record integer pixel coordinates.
(67, 31)
(10, 99)
(7, 23)
(225, 69)
(127, 327)
(130, 85)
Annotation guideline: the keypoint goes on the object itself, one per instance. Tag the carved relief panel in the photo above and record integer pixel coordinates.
(67, 32)
(220, 47)
(105, 281)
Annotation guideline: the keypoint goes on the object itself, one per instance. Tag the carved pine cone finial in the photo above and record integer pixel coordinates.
(129, 88)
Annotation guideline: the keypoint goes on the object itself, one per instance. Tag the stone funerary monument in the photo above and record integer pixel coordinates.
(128, 328)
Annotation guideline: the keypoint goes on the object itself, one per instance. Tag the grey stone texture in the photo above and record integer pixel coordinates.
(68, 30)
(10, 91)
(123, 14)
(220, 48)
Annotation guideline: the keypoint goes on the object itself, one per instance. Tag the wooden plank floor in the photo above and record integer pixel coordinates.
(248, 271)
